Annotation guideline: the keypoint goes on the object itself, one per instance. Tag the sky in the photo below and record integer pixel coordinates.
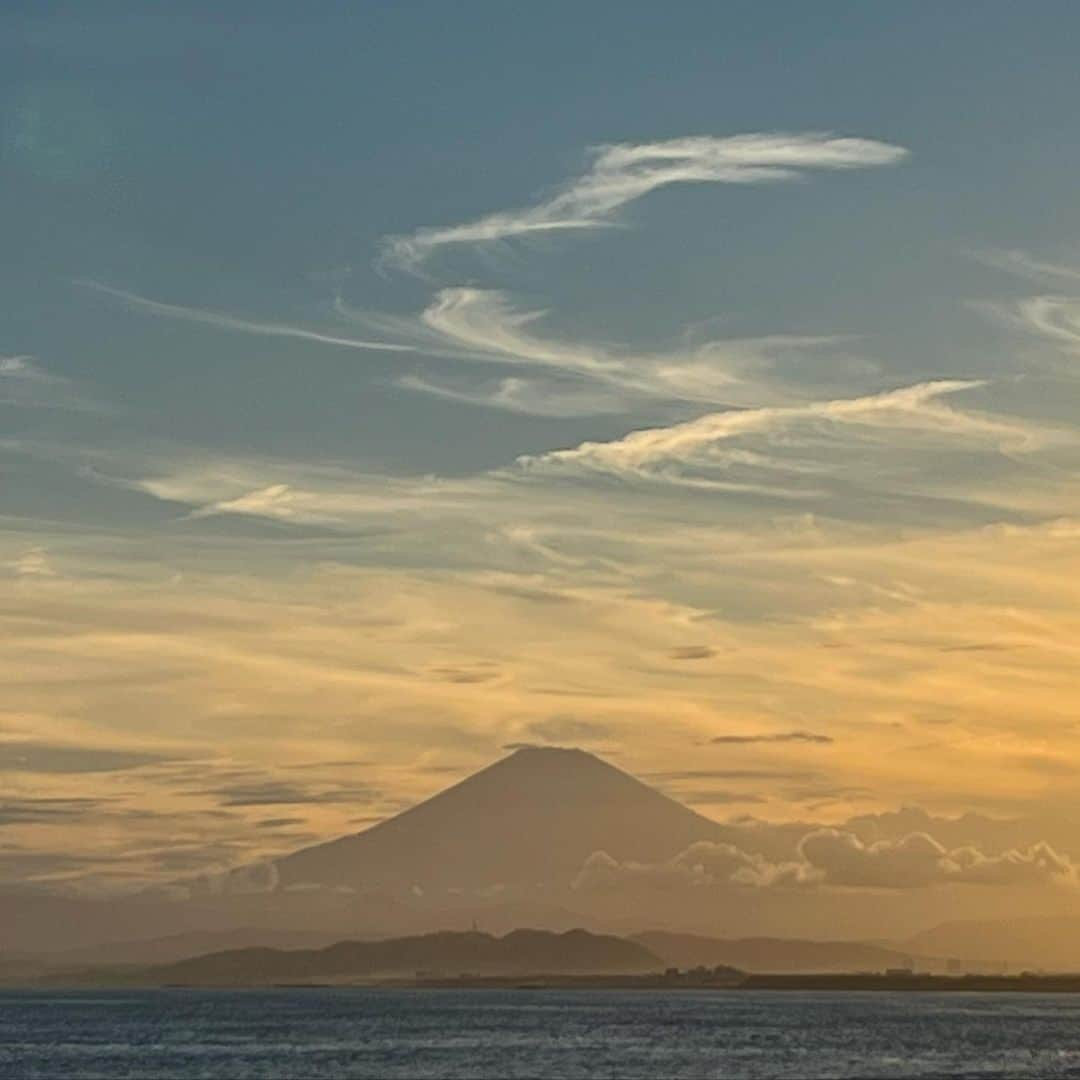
(695, 384)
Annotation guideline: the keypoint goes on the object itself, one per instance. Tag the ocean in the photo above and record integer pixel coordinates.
(340, 1033)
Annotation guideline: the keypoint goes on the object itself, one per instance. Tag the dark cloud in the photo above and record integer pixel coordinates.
(47, 757)
(466, 675)
(276, 792)
(442, 770)
(338, 764)
(279, 822)
(577, 692)
(43, 811)
(539, 596)
(691, 652)
(823, 792)
(731, 774)
(779, 737)
(1048, 764)
(976, 646)
(719, 798)
(16, 865)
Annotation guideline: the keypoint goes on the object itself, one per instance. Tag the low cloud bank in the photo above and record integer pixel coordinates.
(833, 857)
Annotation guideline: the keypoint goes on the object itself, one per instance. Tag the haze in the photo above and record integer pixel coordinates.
(385, 393)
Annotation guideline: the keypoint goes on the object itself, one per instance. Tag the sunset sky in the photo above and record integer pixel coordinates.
(381, 391)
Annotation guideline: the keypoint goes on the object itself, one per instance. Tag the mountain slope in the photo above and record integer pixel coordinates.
(530, 819)
(788, 955)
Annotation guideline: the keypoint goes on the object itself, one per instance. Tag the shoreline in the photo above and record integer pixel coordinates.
(1025, 983)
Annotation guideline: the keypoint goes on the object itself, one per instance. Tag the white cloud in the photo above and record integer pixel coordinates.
(34, 562)
(1025, 265)
(1053, 317)
(624, 172)
(702, 864)
(919, 860)
(24, 383)
(572, 378)
(660, 453)
(531, 397)
(231, 322)
(832, 857)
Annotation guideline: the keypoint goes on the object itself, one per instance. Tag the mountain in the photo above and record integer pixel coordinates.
(1050, 943)
(170, 948)
(787, 955)
(530, 819)
(519, 952)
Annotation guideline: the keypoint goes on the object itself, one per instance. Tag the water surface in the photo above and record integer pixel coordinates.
(336, 1033)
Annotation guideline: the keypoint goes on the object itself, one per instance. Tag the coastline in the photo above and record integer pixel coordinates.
(1024, 983)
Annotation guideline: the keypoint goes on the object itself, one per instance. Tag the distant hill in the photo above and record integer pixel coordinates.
(779, 955)
(447, 953)
(174, 947)
(1051, 943)
(531, 818)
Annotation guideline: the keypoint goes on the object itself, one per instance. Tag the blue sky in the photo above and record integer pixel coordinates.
(243, 163)
(304, 361)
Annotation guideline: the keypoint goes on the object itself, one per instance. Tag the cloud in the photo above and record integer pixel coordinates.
(45, 810)
(33, 562)
(919, 860)
(582, 378)
(274, 793)
(273, 501)
(568, 730)
(1056, 318)
(696, 441)
(25, 384)
(831, 857)
(624, 172)
(34, 756)
(279, 822)
(702, 864)
(230, 322)
(777, 737)
(530, 397)
(1025, 265)
(691, 652)
(465, 675)
(732, 774)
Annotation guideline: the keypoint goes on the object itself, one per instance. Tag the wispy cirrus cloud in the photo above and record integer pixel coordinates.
(1026, 265)
(623, 172)
(853, 457)
(1052, 316)
(669, 453)
(482, 324)
(224, 321)
(582, 378)
(25, 383)
(1056, 318)
(530, 397)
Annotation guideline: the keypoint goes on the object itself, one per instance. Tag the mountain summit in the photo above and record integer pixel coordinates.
(529, 820)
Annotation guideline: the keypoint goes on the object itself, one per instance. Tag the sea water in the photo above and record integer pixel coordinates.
(383, 1033)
